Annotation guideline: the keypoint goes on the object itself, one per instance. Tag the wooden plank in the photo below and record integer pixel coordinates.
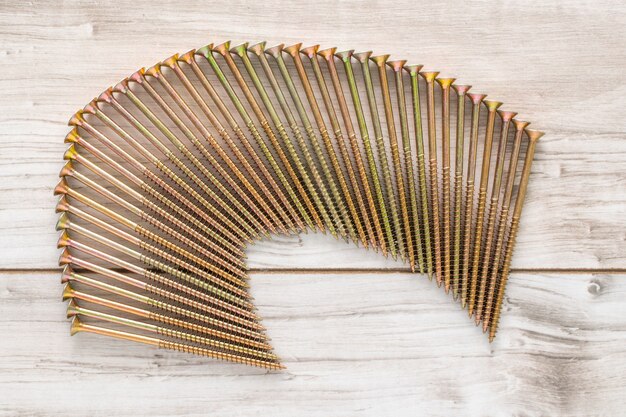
(58, 55)
(352, 343)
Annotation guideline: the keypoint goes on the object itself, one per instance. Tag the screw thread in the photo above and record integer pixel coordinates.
(501, 286)
(495, 269)
(484, 273)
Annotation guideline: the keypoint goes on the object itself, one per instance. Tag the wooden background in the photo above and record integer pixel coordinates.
(359, 335)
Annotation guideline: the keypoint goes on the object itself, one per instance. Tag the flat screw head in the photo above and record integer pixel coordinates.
(65, 258)
(413, 69)
(171, 62)
(91, 107)
(64, 240)
(62, 205)
(70, 153)
(106, 96)
(240, 49)
(153, 71)
(61, 187)
(122, 86)
(445, 82)
(492, 105)
(362, 56)
(77, 119)
(534, 135)
(187, 57)
(275, 51)
(205, 51)
(223, 48)
(397, 65)
(380, 60)
(476, 98)
(327, 53)
(68, 292)
(72, 137)
(63, 222)
(345, 56)
(520, 124)
(429, 76)
(76, 326)
(66, 275)
(507, 116)
(258, 48)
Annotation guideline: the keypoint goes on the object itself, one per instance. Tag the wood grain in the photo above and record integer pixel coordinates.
(368, 344)
(379, 343)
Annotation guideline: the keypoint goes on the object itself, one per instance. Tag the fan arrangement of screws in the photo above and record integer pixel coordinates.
(172, 172)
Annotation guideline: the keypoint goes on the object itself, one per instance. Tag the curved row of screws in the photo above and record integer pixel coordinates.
(174, 170)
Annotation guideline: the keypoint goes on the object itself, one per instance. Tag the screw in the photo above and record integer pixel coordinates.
(445, 84)
(430, 77)
(461, 92)
(533, 136)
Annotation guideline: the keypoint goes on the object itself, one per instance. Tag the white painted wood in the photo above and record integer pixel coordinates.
(560, 66)
(367, 344)
(354, 343)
